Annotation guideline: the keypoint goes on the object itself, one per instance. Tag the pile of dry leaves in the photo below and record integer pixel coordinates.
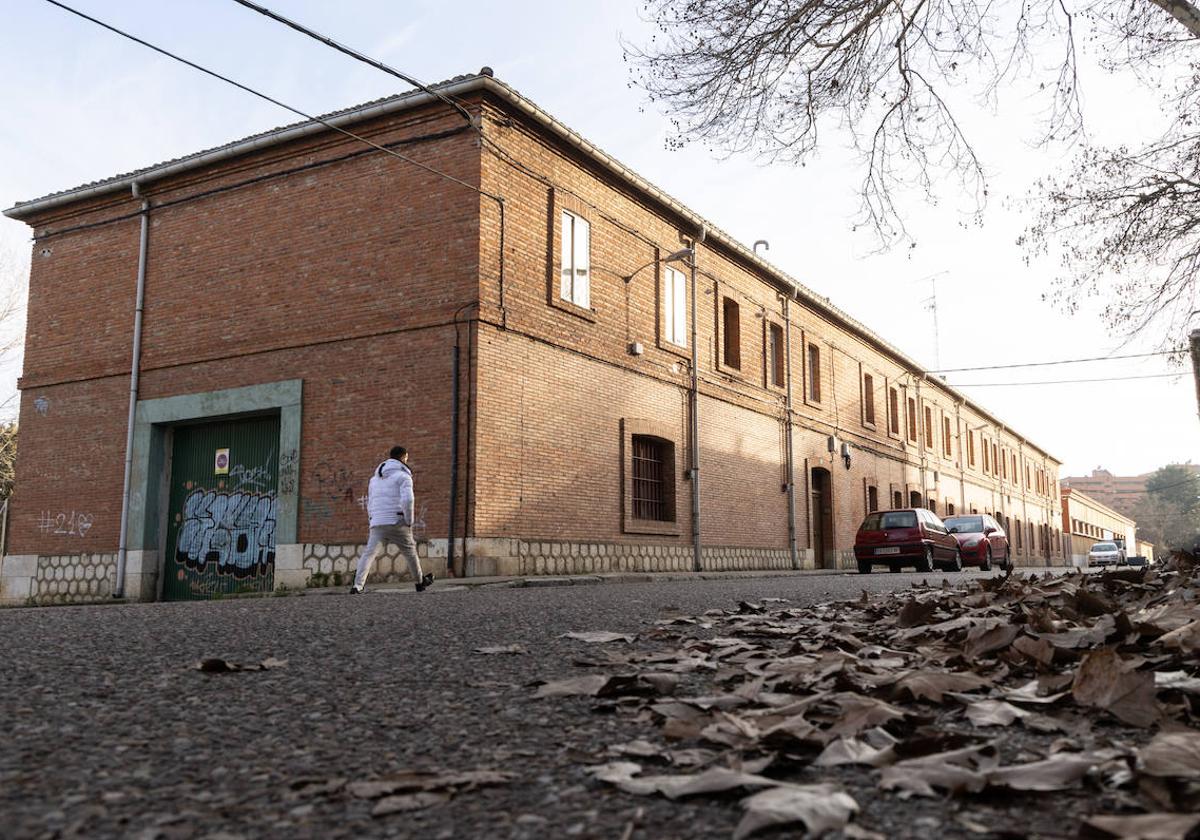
(922, 689)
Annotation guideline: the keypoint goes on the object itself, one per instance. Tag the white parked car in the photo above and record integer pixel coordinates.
(1106, 554)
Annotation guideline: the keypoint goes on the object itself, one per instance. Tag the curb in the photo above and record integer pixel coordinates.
(551, 581)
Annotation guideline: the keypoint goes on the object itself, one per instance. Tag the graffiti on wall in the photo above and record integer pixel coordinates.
(42, 406)
(257, 478)
(73, 524)
(289, 469)
(234, 531)
(334, 482)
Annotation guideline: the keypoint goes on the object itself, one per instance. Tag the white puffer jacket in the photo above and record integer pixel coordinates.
(390, 494)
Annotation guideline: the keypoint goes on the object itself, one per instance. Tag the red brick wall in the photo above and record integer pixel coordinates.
(346, 276)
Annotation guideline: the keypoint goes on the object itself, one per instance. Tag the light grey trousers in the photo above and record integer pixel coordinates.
(385, 535)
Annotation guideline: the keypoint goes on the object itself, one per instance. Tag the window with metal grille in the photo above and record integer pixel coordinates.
(653, 489)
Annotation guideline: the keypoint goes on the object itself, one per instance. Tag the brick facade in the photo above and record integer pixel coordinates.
(315, 258)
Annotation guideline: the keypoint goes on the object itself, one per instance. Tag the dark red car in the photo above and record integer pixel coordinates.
(908, 537)
(981, 540)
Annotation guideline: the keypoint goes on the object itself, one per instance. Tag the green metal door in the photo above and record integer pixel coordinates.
(224, 500)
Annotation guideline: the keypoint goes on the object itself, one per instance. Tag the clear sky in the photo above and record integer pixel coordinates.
(80, 104)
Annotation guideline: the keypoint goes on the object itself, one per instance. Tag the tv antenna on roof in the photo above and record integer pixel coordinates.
(930, 304)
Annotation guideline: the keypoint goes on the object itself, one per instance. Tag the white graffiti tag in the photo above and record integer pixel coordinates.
(236, 531)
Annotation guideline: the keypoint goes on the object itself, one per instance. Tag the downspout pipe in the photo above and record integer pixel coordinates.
(789, 454)
(453, 456)
(134, 384)
(694, 399)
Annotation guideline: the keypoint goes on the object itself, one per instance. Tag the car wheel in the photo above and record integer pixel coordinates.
(864, 567)
(895, 567)
(925, 564)
(1008, 564)
(986, 565)
(956, 564)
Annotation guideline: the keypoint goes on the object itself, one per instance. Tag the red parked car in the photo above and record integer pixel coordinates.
(981, 540)
(908, 537)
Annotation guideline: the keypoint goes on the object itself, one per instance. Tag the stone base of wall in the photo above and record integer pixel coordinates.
(56, 578)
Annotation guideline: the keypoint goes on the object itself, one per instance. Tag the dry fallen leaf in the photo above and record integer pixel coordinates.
(1102, 682)
(588, 686)
(994, 713)
(596, 637)
(989, 638)
(493, 650)
(820, 808)
(1058, 772)
(1172, 754)
(932, 685)
(854, 751)
(1141, 826)
(408, 802)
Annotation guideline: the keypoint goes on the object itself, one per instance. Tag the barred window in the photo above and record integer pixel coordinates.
(652, 491)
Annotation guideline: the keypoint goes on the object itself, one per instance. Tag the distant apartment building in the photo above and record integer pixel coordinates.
(1120, 492)
(1087, 521)
(500, 300)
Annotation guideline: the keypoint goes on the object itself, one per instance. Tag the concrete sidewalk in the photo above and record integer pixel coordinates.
(518, 582)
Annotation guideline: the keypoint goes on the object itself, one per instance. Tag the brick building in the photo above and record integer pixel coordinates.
(1120, 492)
(499, 301)
(1087, 521)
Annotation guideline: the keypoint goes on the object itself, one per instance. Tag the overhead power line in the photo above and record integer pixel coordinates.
(1062, 362)
(1065, 381)
(353, 53)
(267, 98)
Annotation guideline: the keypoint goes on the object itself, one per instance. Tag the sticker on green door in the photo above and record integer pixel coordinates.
(223, 514)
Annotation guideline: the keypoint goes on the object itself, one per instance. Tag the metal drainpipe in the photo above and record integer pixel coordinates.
(791, 462)
(134, 381)
(453, 458)
(694, 395)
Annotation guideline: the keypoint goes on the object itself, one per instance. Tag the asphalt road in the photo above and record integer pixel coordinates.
(108, 729)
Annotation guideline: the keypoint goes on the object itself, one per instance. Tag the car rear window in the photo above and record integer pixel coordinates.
(964, 524)
(890, 519)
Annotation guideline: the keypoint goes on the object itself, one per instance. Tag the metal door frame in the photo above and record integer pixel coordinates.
(154, 427)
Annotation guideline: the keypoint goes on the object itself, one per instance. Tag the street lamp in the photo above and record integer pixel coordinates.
(689, 254)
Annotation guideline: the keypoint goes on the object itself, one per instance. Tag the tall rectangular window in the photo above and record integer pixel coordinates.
(775, 355)
(912, 419)
(674, 304)
(970, 448)
(814, 373)
(576, 260)
(732, 330)
(928, 428)
(1015, 475)
(946, 438)
(652, 495)
(872, 499)
(1003, 464)
(995, 459)
(869, 398)
(986, 460)
(897, 500)
(893, 411)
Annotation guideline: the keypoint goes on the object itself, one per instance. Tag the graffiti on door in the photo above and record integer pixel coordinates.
(233, 531)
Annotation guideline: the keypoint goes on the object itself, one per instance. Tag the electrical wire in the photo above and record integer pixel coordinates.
(1062, 362)
(353, 53)
(1064, 381)
(270, 99)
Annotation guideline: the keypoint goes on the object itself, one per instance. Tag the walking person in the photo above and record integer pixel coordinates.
(390, 508)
